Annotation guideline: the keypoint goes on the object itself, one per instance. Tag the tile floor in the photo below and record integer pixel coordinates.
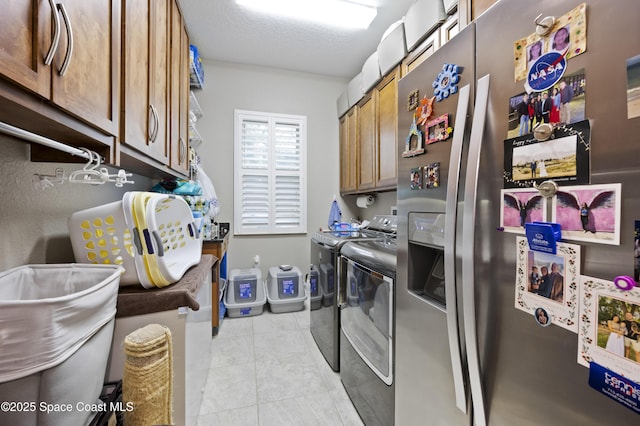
(267, 370)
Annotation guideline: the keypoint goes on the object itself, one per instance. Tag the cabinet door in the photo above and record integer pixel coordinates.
(159, 78)
(25, 39)
(450, 28)
(179, 105)
(367, 142)
(86, 67)
(145, 81)
(135, 99)
(421, 53)
(386, 168)
(348, 131)
(183, 150)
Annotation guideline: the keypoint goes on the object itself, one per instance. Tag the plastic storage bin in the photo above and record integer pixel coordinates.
(285, 289)
(371, 72)
(355, 91)
(245, 295)
(392, 48)
(196, 70)
(57, 327)
(152, 235)
(422, 19)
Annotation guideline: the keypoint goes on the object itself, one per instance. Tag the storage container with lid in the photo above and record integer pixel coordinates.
(285, 289)
(245, 294)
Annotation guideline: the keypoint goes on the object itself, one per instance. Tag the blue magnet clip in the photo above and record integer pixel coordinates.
(624, 282)
(543, 236)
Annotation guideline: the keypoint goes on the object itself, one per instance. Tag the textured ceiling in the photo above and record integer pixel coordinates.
(227, 32)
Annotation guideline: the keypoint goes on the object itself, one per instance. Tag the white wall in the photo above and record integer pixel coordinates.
(382, 205)
(232, 86)
(33, 222)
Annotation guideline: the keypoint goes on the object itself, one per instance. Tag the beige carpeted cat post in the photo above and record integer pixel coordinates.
(148, 376)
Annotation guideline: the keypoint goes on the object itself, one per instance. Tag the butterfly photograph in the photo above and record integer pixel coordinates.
(589, 213)
(520, 206)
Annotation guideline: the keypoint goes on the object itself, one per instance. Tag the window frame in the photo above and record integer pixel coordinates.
(271, 227)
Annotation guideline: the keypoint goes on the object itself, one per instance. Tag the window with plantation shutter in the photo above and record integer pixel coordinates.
(270, 173)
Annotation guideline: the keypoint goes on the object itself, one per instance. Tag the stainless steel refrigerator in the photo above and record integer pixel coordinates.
(464, 354)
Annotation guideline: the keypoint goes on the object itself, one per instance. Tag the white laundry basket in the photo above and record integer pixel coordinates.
(57, 327)
(168, 234)
(100, 235)
(153, 236)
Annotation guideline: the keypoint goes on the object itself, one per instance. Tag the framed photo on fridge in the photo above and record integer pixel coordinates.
(609, 327)
(519, 206)
(589, 213)
(563, 159)
(549, 282)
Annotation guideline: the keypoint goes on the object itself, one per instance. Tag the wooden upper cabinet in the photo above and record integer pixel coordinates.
(179, 99)
(66, 51)
(25, 39)
(159, 76)
(146, 77)
(386, 171)
(89, 85)
(348, 141)
(367, 141)
(419, 54)
(369, 138)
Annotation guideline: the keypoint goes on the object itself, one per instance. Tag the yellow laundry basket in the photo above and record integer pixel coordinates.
(153, 236)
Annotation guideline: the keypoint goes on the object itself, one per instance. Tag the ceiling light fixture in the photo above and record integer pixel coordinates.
(331, 12)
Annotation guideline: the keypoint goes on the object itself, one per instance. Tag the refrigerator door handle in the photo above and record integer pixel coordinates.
(468, 251)
(449, 249)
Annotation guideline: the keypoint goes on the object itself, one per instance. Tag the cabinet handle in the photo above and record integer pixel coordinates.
(152, 122)
(182, 151)
(56, 34)
(156, 124)
(157, 117)
(67, 56)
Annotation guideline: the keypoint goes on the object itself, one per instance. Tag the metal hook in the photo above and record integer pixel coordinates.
(543, 132)
(544, 25)
(538, 22)
(547, 189)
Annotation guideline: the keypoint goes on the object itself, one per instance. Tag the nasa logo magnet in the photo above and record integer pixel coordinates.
(546, 71)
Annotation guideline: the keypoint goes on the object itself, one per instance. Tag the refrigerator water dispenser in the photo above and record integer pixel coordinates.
(426, 257)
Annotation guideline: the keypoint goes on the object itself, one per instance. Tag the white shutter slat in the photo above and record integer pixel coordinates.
(270, 162)
(255, 144)
(255, 201)
(287, 146)
(287, 201)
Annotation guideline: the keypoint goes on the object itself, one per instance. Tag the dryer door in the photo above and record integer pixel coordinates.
(367, 317)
